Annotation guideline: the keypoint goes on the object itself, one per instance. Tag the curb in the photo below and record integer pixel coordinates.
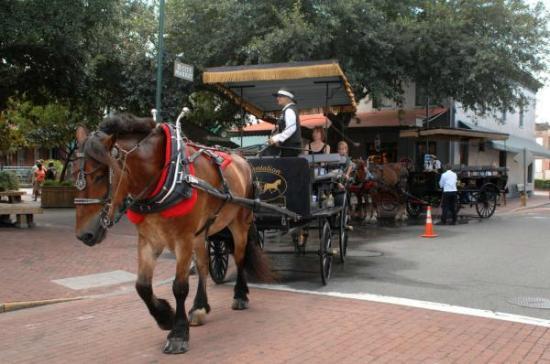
(13, 306)
(519, 209)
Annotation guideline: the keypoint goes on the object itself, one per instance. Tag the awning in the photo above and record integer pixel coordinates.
(393, 117)
(514, 143)
(253, 86)
(306, 121)
(452, 133)
(517, 144)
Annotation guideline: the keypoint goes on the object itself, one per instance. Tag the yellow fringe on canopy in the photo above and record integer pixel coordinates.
(270, 74)
(278, 73)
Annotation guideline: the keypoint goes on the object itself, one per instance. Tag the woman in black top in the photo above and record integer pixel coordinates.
(318, 145)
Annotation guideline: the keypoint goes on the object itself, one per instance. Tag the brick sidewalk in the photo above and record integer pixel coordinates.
(31, 258)
(279, 327)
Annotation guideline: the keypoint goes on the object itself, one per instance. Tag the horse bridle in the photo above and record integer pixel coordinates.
(116, 152)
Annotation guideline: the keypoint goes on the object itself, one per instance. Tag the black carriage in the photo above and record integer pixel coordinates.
(297, 185)
(479, 187)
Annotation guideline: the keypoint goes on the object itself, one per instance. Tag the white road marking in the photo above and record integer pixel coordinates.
(427, 305)
(97, 280)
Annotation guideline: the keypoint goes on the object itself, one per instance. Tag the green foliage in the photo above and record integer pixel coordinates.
(542, 184)
(8, 181)
(56, 183)
(11, 137)
(478, 52)
(62, 65)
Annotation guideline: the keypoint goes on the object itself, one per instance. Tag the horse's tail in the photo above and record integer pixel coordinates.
(256, 262)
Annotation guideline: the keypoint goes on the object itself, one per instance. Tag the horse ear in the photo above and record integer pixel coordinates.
(81, 134)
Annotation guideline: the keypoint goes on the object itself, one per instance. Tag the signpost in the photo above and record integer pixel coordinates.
(183, 71)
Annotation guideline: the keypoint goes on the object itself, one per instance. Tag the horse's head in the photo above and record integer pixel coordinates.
(106, 158)
(93, 180)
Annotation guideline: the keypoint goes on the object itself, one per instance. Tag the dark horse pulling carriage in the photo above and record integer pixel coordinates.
(477, 186)
(179, 194)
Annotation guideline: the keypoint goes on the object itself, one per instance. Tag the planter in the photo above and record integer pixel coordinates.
(58, 196)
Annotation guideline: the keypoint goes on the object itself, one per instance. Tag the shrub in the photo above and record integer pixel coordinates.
(542, 184)
(8, 181)
(56, 183)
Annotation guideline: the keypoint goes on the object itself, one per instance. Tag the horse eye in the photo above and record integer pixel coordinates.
(98, 178)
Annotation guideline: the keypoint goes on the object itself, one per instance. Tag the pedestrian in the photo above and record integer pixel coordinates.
(447, 183)
(51, 172)
(39, 176)
(287, 138)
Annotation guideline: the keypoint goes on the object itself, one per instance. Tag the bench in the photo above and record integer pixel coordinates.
(24, 213)
(13, 196)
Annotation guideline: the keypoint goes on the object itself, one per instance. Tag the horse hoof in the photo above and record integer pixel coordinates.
(239, 304)
(197, 317)
(176, 345)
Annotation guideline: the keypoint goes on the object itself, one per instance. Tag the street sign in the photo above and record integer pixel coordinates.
(183, 71)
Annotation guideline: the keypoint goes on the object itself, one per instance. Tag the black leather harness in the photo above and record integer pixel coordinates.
(174, 188)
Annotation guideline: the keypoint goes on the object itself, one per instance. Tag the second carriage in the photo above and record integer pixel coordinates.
(479, 187)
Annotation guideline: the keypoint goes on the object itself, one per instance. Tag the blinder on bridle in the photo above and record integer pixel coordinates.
(81, 184)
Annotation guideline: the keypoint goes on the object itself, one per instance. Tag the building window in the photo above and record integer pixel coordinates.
(482, 146)
(530, 173)
(502, 159)
(463, 151)
(503, 117)
(521, 116)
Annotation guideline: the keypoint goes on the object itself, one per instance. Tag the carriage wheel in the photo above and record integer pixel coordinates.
(325, 252)
(219, 259)
(345, 219)
(414, 209)
(486, 203)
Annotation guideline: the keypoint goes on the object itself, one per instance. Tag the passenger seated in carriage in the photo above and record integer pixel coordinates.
(347, 166)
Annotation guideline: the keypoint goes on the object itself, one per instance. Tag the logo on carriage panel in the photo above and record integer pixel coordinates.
(272, 184)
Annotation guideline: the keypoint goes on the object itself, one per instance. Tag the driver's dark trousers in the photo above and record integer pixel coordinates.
(448, 207)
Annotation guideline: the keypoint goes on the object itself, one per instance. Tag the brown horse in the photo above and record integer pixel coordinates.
(379, 194)
(125, 158)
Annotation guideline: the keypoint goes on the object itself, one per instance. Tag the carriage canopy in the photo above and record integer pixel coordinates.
(316, 85)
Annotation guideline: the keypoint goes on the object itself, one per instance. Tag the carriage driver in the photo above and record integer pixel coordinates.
(287, 133)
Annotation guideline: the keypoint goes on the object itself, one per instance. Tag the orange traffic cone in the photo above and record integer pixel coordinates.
(429, 230)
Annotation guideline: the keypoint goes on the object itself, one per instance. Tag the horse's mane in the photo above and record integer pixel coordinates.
(123, 124)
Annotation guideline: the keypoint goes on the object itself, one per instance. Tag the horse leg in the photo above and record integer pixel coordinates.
(240, 232)
(159, 308)
(200, 308)
(243, 235)
(178, 339)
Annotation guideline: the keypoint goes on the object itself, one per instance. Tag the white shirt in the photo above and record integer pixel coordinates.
(290, 128)
(448, 181)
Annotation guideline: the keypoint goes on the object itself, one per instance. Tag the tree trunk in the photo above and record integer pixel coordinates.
(69, 154)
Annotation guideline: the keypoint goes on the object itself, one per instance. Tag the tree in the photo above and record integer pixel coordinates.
(48, 126)
(478, 52)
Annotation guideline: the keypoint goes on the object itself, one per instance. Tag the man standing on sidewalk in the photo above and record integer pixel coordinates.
(448, 202)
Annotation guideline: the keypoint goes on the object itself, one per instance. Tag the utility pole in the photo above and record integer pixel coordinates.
(159, 61)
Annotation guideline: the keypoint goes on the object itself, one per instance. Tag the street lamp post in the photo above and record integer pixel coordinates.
(159, 60)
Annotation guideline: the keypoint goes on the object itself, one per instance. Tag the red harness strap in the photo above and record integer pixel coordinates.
(185, 206)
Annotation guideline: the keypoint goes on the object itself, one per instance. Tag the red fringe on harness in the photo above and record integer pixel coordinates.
(186, 205)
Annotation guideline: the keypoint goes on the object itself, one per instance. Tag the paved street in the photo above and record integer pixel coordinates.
(476, 266)
(481, 264)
